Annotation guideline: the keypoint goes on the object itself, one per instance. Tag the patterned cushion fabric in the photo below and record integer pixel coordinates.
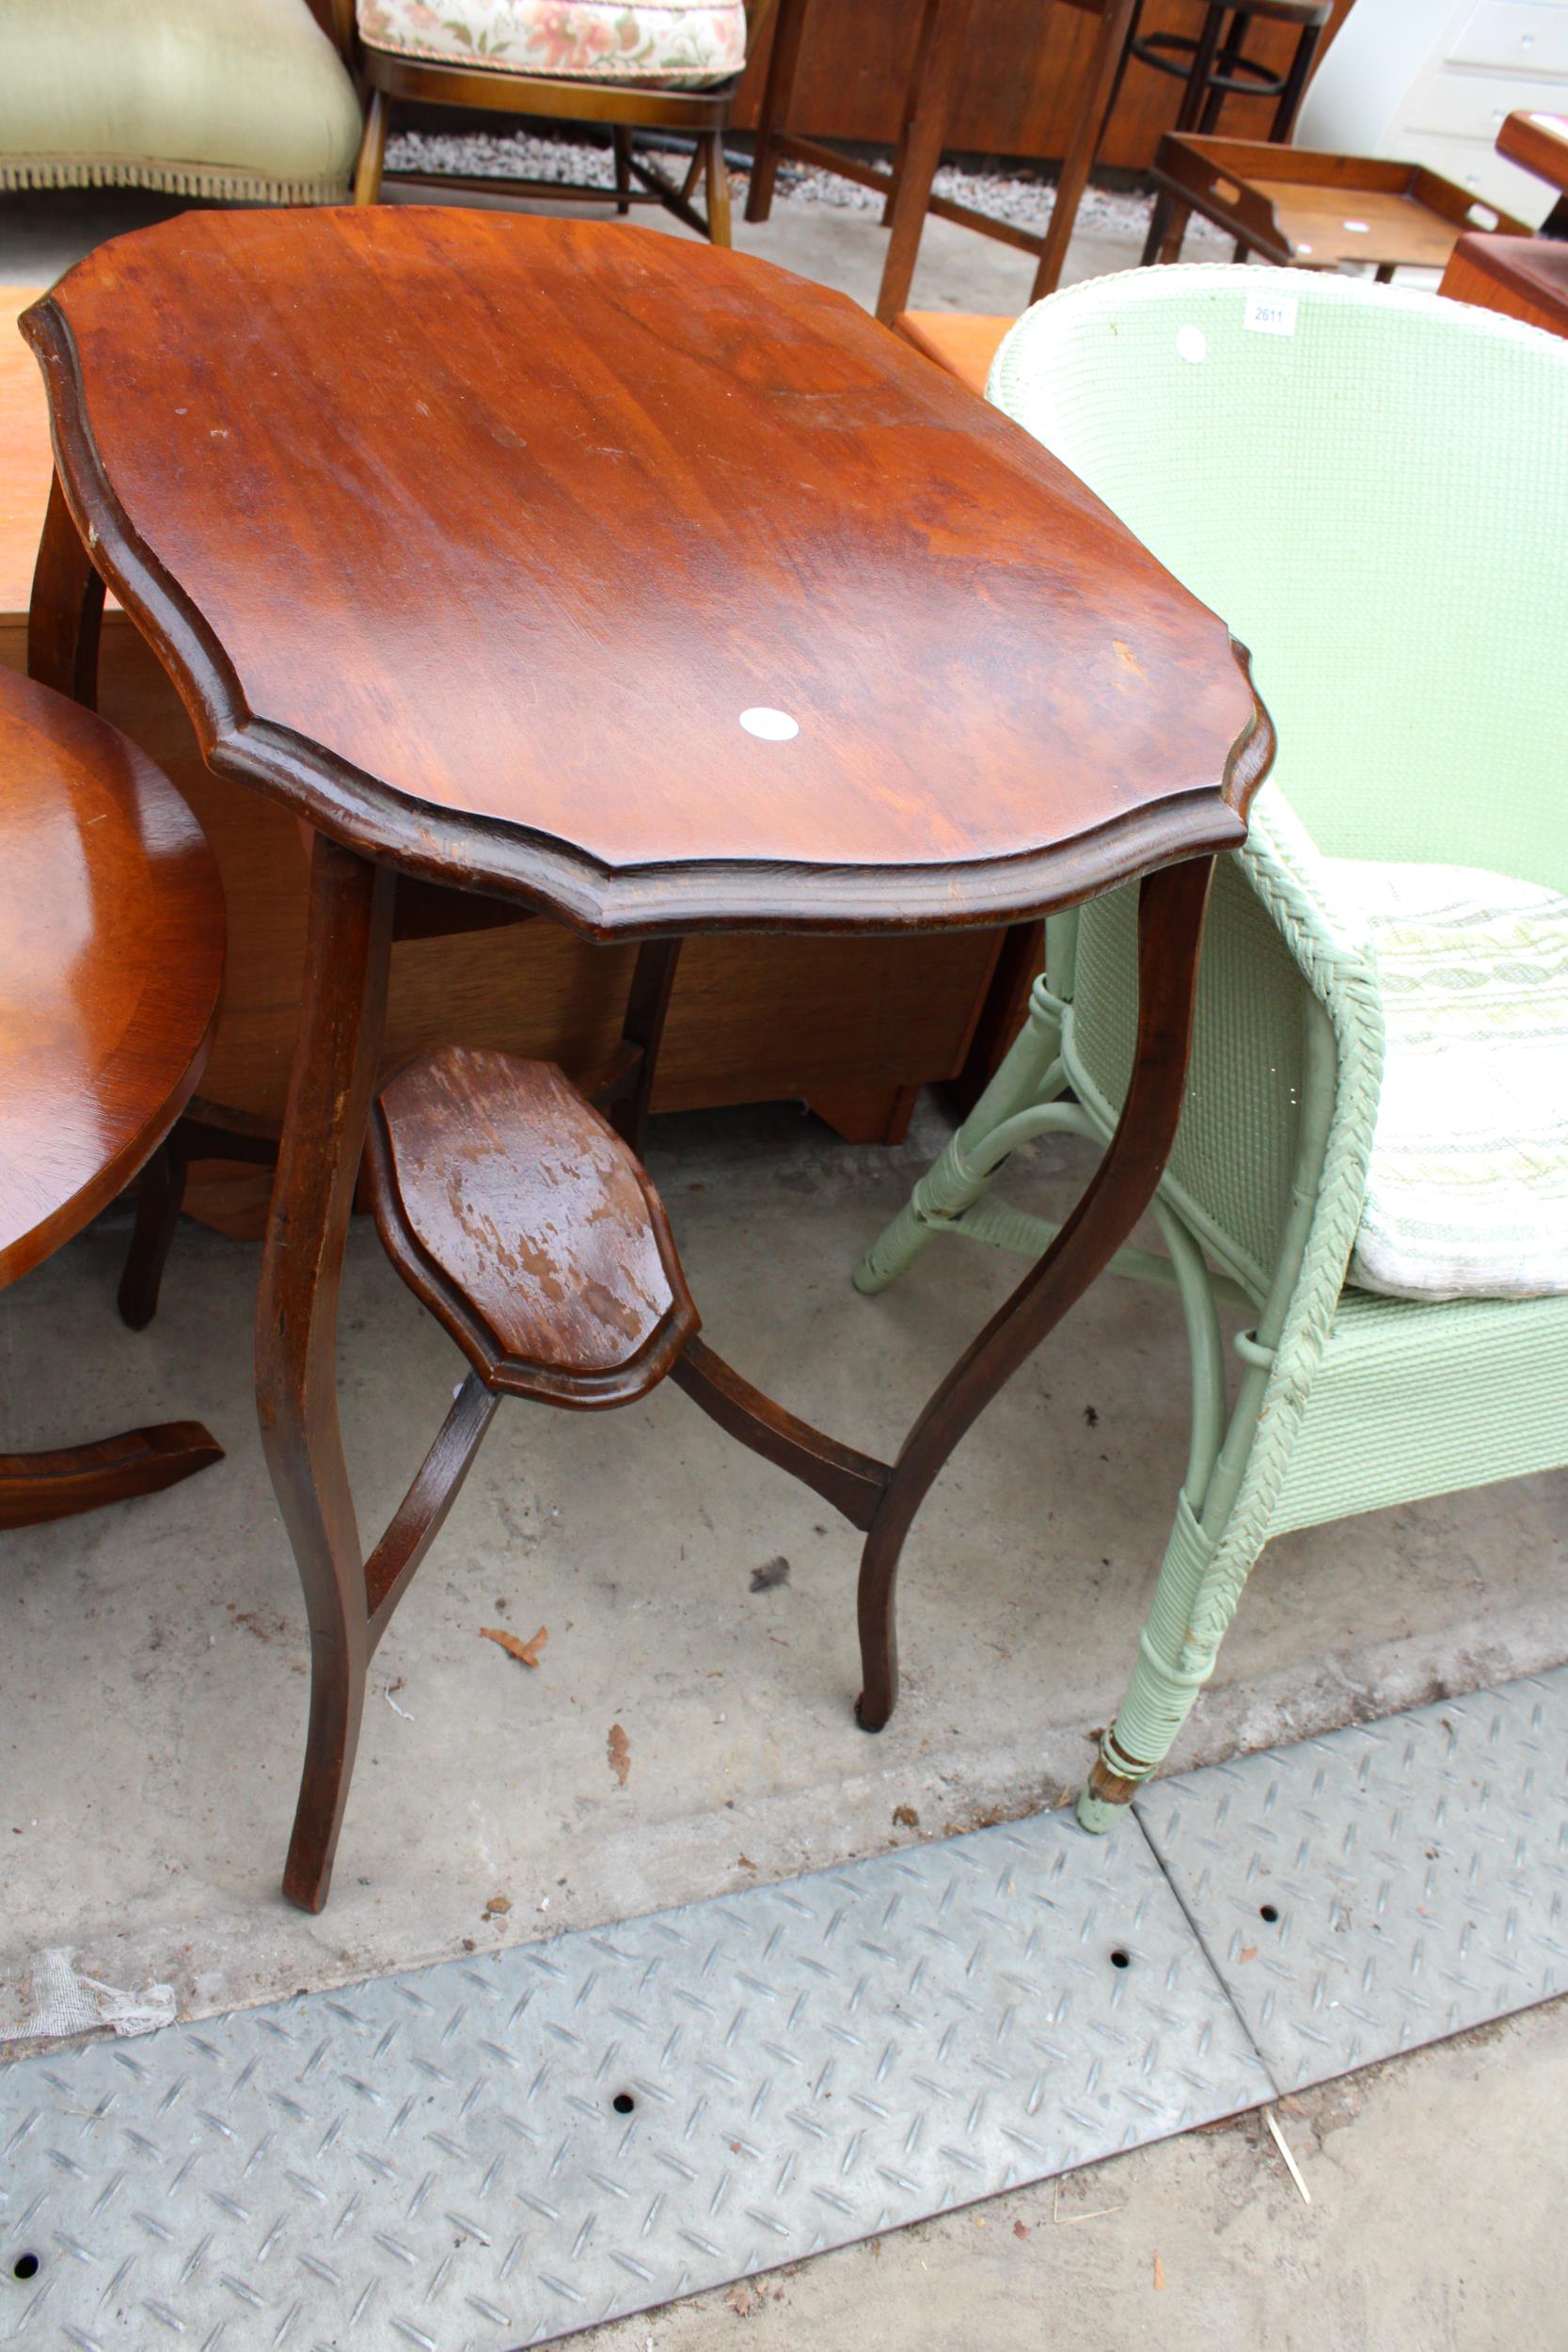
(679, 44)
(1467, 1186)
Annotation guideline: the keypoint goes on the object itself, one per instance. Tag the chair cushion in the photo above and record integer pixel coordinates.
(1467, 1185)
(680, 44)
(245, 99)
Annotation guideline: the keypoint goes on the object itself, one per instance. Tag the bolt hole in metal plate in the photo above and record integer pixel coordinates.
(1411, 1876)
(495, 2152)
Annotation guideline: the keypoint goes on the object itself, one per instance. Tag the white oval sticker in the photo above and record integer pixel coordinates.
(769, 726)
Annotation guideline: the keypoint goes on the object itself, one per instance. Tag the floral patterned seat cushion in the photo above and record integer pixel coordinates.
(676, 45)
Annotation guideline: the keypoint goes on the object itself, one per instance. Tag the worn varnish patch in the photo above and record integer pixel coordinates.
(522, 1219)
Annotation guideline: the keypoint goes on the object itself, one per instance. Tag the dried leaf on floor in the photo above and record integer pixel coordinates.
(905, 1816)
(771, 1574)
(1158, 2275)
(619, 1749)
(739, 2301)
(1248, 1951)
(525, 1653)
(1021, 2229)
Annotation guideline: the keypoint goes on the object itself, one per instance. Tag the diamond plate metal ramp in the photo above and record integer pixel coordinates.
(1383, 1887)
(491, 2153)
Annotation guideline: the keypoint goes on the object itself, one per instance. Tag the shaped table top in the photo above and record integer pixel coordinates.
(111, 952)
(640, 580)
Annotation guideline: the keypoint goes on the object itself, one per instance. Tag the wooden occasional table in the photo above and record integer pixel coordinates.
(853, 1031)
(560, 566)
(111, 953)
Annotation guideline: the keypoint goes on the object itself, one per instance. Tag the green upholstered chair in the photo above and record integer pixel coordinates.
(1371, 485)
(219, 99)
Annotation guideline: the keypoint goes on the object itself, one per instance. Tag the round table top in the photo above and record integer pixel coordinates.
(646, 581)
(111, 954)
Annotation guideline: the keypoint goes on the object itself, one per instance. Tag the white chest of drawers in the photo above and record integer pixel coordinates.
(1430, 82)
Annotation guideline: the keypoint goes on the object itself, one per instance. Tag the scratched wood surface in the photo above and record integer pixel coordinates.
(474, 538)
(527, 1225)
(111, 954)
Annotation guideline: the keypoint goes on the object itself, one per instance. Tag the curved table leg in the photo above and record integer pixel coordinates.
(1170, 930)
(39, 1487)
(66, 608)
(343, 1015)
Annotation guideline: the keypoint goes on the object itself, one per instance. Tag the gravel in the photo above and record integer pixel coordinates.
(523, 155)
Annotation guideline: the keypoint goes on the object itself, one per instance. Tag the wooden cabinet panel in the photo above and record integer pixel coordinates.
(1020, 88)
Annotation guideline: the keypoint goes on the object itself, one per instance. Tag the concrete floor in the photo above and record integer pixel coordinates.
(153, 1659)
(152, 1664)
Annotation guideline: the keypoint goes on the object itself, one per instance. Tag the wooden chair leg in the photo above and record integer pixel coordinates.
(626, 1098)
(1169, 224)
(1170, 930)
(66, 608)
(342, 1018)
(373, 150)
(942, 50)
(1230, 52)
(35, 1487)
(718, 190)
(777, 99)
(623, 168)
(1295, 83)
(159, 1195)
(911, 98)
(1106, 70)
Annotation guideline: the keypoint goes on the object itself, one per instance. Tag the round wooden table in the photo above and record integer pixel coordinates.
(111, 955)
(647, 587)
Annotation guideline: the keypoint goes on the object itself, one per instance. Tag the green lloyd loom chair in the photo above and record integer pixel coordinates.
(1371, 485)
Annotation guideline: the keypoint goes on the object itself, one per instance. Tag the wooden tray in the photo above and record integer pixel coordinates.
(1312, 210)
